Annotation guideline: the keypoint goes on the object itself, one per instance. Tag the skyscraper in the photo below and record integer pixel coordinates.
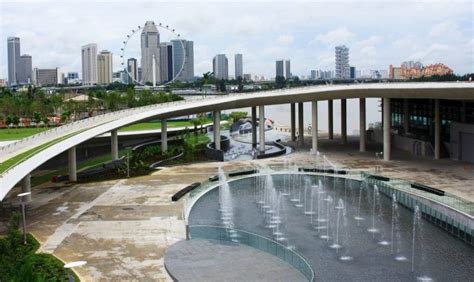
(287, 69)
(132, 70)
(342, 63)
(13, 59)
(220, 66)
(166, 61)
(353, 72)
(280, 69)
(104, 67)
(150, 44)
(239, 72)
(24, 69)
(89, 64)
(178, 57)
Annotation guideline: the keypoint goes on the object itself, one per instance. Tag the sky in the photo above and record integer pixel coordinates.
(378, 33)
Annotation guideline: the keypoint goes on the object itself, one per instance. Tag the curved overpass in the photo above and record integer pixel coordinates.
(92, 127)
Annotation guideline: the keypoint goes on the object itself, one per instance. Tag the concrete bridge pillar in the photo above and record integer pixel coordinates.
(293, 122)
(114, 145)
(362, 134)
(437, 133)
(72, 165)
(314, 126)
(254, 127)
(387, 123)
(344, 121)
(164, 135)
(26, 187)
(300, 124)
(217, 130)
(330, 120)
(261, 126)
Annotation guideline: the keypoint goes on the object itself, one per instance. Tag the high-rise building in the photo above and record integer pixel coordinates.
(313, 75)
(187, 72)
(150, 45)
(280, 69)
(238, 61)
(166, 61)
(247, 76)
(89, 64)
(287, 69)
(283, 68)
(220, 66)
(132, 70)
(104, 67)
(44, 77)
(13, 59)
(24, 70)
(352, 72)
(342, 62)
(139, 74)
(72, 75)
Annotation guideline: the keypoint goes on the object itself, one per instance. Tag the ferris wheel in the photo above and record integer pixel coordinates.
(131, 37)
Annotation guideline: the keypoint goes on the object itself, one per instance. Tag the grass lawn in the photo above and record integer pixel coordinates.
(157, 125)
(19, 133)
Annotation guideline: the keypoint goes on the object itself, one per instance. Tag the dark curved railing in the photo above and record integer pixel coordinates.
(215, 154)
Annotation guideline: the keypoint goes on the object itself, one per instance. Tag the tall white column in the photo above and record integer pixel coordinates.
(254, 127)
(114, 145)
(437, 120)
(164, 135)
(217, 130)
(261, 125)
(387, 123)
(362, 134)
(330, 120)
(293, 121)
(314, 125)
(72, 165)
(26, 187)
(343, 121)
(300, 124)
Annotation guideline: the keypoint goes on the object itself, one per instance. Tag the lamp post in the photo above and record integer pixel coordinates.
(128, 162)
(23, 213)
(72, 265)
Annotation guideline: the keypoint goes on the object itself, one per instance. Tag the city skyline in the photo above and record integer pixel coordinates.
(258, 35)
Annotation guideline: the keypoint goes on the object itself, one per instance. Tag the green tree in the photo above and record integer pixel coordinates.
(37, 118)
(235, 116)
(16, 120)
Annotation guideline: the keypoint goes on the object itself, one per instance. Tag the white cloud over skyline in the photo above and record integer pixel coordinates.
(378, 34)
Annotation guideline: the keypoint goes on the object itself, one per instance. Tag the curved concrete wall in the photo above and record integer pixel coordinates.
(444, 90)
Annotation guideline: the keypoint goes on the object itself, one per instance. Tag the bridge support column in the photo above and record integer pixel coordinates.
(330, 120)
(217, 130)
(293, 121)
(254, 127)
(344, 121)
(72, 165)
(406, 116)
(437, 133)
(362, 134)
(164, 135)
(114, 145)
(300, 124)
(26, 187)
(261, 126)
(314, 126)
(387, 123)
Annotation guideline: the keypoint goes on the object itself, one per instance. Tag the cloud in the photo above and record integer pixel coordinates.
(338, 36)
(285, 40)
(443, 29)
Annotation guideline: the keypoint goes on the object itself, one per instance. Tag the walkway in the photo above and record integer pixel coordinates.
(203, 260)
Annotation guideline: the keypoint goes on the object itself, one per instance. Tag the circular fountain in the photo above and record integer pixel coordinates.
(321, 217)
